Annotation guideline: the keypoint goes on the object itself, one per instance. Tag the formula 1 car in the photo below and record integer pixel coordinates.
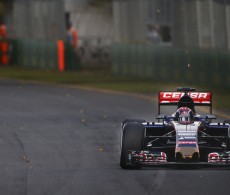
(181, 138)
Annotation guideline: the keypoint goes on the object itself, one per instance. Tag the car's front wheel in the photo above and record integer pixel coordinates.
(132, 139)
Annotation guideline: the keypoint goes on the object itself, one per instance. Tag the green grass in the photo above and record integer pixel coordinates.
(102, 79)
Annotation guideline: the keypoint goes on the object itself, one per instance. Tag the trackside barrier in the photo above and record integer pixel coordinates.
(186, 66)
(61, 55)
(4, 50)
(44, 55)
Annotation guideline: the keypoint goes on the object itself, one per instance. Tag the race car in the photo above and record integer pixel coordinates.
(184, 137)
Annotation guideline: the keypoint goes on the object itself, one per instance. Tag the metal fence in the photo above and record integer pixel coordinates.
(173, 40)
(177, 65)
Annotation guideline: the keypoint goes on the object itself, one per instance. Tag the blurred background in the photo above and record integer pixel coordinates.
(164, 40)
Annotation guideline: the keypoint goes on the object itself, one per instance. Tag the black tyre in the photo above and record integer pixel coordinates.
(132, 120)
(132, 139)
(228, 140)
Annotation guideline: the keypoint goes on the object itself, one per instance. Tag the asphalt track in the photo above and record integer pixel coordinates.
(66, 141)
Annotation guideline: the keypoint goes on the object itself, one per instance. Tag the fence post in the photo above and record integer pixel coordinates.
(61, 56)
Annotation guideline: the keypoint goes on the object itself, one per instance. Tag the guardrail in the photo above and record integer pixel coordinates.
(188, 66)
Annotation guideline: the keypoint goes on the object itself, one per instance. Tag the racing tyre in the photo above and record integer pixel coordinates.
(132, 120)
(132, 139)
(228, 141)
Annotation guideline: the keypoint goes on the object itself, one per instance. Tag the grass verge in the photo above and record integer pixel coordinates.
(102, 79)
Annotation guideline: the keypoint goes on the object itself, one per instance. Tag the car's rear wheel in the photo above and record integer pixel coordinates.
(132, 139)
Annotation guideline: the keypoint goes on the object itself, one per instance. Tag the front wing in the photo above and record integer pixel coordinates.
(151, 158)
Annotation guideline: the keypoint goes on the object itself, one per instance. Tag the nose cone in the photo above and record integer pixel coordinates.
(187, 153)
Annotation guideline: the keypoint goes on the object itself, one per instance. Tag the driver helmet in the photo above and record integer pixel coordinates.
(184, 115)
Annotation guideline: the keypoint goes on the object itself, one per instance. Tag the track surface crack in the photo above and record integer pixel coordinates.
(24, 171)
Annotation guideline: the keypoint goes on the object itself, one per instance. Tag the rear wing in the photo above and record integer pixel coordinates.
(172, 98)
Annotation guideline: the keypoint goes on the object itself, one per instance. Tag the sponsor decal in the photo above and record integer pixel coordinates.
(200, 97)
(176, 95)
(187, 142)
(190, 138)
(186, 134)
(187, 131)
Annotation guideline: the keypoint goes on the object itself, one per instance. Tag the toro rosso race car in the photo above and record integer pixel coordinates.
(181, 138)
